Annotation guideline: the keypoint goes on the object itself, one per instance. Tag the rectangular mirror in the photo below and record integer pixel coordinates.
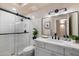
(65, 24)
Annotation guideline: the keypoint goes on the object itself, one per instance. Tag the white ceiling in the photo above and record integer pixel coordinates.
(27, 8)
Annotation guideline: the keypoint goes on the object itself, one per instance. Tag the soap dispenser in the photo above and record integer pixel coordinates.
(52, 37)
(67, 36)
(58, 38)
(64, 37)
(55, 35)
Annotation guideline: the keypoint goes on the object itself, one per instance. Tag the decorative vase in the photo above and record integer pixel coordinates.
(34, 37)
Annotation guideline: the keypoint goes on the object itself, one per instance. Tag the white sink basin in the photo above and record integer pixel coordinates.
(60, 41)
(55, 40)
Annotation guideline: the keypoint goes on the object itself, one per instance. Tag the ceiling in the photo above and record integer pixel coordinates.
(26, 8)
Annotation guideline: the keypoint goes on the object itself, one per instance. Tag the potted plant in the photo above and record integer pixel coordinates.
(77, 39)
(35, 33)
(74, 38)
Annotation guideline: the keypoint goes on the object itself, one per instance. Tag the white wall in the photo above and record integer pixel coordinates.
(75, 23)
(35, 23)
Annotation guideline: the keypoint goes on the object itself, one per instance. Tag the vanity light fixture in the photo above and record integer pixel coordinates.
(57, 10)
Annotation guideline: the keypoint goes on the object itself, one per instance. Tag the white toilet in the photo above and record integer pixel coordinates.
(28, 51)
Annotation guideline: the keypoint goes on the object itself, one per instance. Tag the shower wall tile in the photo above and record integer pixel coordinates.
(21, 41)
(14, 43)
(7, 22)
(6, 44)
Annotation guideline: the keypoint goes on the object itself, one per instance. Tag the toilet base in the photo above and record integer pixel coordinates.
(28, 51)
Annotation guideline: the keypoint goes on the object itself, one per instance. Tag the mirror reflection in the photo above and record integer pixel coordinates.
(61, 25)
(65, 24)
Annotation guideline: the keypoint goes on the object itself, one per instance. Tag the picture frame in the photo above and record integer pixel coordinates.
(45, 26)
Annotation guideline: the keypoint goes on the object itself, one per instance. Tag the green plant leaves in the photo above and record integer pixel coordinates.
(74, 37)
(35, 32)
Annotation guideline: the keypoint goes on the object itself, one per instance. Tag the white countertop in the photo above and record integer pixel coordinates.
(58, 42)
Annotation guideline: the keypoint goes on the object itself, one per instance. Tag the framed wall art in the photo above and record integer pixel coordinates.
(45, 26)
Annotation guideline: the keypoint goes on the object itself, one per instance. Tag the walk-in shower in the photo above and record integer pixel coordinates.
(14, 34)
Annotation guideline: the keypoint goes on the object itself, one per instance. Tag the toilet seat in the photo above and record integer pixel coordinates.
(28, 51)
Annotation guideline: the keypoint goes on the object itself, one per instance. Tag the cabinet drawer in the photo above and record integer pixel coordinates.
(56, 48)
(56, 54)
(39, 44)
(71, 52)
(45, 52)
(42, 52)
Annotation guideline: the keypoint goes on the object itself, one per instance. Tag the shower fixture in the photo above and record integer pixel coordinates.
(17, 14)
(22, 20)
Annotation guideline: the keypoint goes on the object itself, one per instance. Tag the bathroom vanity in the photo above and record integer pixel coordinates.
(54, 47)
